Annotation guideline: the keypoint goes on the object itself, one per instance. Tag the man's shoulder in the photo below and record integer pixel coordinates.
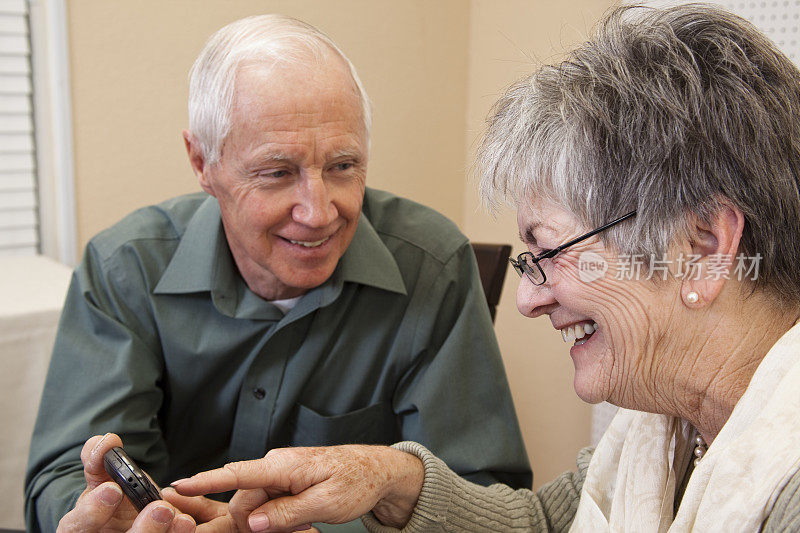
(406, 222)
(166, 221)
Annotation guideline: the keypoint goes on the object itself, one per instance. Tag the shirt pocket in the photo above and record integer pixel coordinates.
(374, 424)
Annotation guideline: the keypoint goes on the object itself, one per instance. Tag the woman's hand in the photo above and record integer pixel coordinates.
(290, 488)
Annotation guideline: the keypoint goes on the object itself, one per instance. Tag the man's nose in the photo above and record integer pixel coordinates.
(534, 300)
(314, 206)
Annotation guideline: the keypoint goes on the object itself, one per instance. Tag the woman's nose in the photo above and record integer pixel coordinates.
(533, 300)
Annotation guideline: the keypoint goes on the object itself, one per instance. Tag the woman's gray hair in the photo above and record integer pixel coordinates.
(261, 38)
(669, 112)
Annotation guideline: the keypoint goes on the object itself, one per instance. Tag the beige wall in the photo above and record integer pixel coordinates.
(432, 70)
(129, 62)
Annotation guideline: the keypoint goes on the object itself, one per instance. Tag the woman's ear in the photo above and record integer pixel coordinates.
(714, 245)
(198, 161)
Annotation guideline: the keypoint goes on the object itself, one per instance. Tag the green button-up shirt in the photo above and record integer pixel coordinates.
(162, 342)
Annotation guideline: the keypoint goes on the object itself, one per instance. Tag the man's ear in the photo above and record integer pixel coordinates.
(715, 244)
(198, 161)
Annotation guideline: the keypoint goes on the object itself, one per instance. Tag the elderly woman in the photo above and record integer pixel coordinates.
(665, 154)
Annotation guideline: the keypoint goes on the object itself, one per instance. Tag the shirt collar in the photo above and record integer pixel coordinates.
(203, 262)
(201, 253)
(368, 261)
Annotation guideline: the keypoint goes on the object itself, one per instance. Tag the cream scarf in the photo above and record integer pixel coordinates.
(630, 484)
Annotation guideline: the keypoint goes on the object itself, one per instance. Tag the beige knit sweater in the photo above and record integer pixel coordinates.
(449, 503)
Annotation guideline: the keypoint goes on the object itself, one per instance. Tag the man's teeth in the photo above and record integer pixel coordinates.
(578, 331)
(309, 244)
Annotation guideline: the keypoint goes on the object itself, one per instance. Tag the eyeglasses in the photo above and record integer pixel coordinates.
(528, 264)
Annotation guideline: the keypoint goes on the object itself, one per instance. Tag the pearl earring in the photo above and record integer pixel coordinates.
(692, 297)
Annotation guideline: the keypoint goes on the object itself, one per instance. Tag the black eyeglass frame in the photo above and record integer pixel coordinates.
(520, 263)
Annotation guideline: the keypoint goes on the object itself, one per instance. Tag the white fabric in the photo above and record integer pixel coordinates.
(630, 484)
(286, 305)
(32, 291)
(602, 415)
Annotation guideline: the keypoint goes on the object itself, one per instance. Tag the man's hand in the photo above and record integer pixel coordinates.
(103, 507)
(291, 488)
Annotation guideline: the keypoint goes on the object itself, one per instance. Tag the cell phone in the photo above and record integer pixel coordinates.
(135, 483)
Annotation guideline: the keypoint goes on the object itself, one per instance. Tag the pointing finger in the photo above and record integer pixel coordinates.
(258, 473)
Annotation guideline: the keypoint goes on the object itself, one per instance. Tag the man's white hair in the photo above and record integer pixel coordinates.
(268, 38)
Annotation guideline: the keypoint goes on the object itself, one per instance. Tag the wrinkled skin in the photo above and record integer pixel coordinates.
(292, 487)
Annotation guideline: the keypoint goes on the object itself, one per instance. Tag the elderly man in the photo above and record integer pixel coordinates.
(287, 305)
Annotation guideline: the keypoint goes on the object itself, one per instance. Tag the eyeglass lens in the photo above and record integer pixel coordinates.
(530, 268)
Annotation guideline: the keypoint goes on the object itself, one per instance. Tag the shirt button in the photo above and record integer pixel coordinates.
(259, 393)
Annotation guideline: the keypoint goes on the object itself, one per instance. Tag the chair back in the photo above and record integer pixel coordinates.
(492, 265)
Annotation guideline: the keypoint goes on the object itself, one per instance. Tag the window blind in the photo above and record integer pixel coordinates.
(19, 227)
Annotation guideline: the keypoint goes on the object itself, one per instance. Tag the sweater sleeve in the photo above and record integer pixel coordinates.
(448, 502)
(785, 515)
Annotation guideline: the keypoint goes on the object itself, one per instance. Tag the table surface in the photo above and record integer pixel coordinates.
(32, 291)
(29, 284)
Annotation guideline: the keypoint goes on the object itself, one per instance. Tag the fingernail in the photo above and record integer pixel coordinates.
(162, 514)
(258, 522)
(110, 495)
(184, 523)
(178, 482)
(97, 446)
(304, 527)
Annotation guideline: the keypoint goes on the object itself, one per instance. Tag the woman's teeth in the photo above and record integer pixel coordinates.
(578, 331)
(309, 244)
